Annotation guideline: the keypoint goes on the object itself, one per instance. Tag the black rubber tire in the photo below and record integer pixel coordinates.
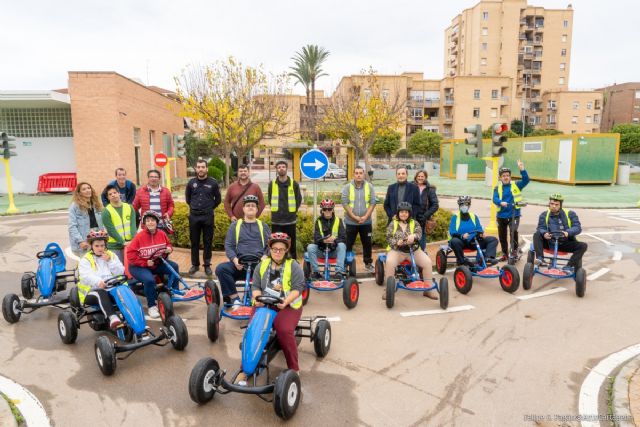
(581, 282)
(379, 272)
(352, 269)
(67, 327)
(178, 332)
(510, 272)
(527, 276)
(443, 291)
(441, 262)
(74, 298)
(211, 292)
(200, 388)
(165, 307)
(350, 293)
(11, 308)
(213, 322)
(463, 279)
(322, 338)
(27, 285)
(306, 269)
(390, 289)
(287, 394)
(531, 256)
(105, 355)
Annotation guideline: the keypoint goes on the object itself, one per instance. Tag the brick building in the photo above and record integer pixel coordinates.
(621, 104)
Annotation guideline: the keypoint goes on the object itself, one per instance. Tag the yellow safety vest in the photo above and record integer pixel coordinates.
(123, 227)
(412, 228)
(83, 289)
(473, 220)
(334, 228)
(517, 194)
(239, 223)
(286, 279)
(352, 195)
(275, 194)
(566, 212)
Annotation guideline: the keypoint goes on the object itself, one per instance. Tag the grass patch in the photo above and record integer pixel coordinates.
(14, 410)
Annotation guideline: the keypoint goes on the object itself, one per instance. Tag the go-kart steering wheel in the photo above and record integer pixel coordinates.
(157, 253)
(115, 281)
(248, 260)
(556, 234)
(269, 300)
(47, 254)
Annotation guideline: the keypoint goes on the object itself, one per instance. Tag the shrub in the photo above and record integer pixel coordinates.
(404, 153)
(216, 173)
(181, 226)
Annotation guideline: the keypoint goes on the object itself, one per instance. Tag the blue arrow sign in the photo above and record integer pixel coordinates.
(314, 164)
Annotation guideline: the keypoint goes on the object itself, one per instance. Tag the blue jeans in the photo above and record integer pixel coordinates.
(340, 253)
(228, 274)
(146, 276)
(423, 240)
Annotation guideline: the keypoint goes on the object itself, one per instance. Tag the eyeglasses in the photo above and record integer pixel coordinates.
(278, 250)
(327, 210)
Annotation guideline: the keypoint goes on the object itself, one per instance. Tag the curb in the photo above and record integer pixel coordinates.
(6, 416)
(621, 401)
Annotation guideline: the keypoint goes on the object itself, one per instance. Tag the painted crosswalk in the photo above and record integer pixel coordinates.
(628, 215)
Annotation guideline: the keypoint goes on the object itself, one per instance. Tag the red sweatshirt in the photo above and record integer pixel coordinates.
(145, 244)
(141, 201)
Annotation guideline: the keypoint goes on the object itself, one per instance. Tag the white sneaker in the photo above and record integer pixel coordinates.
(153, 312)
(237, 304)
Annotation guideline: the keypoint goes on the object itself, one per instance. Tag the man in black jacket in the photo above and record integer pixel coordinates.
(202, 196)
(328, 232)
(401, 191)
(285, 199)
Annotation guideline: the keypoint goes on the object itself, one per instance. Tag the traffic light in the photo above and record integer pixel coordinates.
(6, 146)
(181, 151)
(474, 139)
(498, 137)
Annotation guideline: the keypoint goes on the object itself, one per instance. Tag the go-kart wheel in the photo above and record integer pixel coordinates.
(306, 269)
(352, 269)
(165, 307)
(67, 327)
(379, 272)
(350, 293)
(527, 276)
(105, 355)
(213, 322)
(531, 256)
(74, 298)
(390, 291)
(581, 282)
(441, 262)
(125, 334)
(27, 285)
(509, 278)
(177, 332)
(286, 394)
(11, 309)
(443, 290)
(306, 293)
(463, 279)
(322, 338)
(211, 293)
(201, 386)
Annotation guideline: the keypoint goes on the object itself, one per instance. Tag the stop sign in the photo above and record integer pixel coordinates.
(160, 159)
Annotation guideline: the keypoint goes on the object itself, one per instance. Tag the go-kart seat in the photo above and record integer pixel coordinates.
(549, 252)
(332, 261)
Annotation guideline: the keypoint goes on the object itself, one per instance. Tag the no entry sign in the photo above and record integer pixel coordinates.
(160, 159)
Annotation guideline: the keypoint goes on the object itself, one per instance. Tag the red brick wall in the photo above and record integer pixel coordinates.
(620, 105)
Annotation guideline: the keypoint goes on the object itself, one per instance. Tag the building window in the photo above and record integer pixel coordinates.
(36, 122)
(416, 113)
(485, 31)
(563, 52)
(587, 119)
(485, 16)
(574, 119)
(367, 94)
(476, 94)
(551, 119)
(564, 38)
(476, 113)
(562, 65)
(494, 112)
(565, 24)
(136, 137)
(638, 94)
(561, 81)
(484, 46)
(551, 105)
(596, 119)
(385, 94)
(576, 105)
(494, 94)
(589, 105)
(483, 61)
(532, 147)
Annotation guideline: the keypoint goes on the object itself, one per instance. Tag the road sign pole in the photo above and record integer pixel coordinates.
(315, 201)
(12, 206)
(492, 227)
(167, 175)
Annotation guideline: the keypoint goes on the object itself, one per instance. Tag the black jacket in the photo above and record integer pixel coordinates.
(202, 196)
(428, 204)
(282, 216)
(327, 226)
(411, 195)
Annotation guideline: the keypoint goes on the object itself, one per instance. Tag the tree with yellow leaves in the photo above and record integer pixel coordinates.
(237, 105)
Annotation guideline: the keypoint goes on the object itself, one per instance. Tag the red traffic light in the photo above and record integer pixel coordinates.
(499, 128)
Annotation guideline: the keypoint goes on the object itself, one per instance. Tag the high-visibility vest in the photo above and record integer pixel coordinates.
(566, 212)
(517, 194)
(334, 228)
(239, 223)
(286, 279)
(352, 195)
(83, 289)
(412, 228)
(122, 225)
(473, 220)
(275, 194)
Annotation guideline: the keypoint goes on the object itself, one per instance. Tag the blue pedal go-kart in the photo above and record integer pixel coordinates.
(259, 347)
(349, 285)
(463, 275)
(50, 280)
(556, 261)
(133, 332)
(408, 277)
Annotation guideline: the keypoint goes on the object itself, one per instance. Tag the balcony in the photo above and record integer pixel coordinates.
(447, 120)
(504, 100)
(537, 42)
(447, 134)
(448, 101)
(424, 102)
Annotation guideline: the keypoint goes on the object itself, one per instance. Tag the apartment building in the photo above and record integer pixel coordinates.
(620, 104)
(571, 111)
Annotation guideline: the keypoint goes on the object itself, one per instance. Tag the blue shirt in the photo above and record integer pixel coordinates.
(505, 212)
(466, 226)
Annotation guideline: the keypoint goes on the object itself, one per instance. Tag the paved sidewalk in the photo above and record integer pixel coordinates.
(625, 396)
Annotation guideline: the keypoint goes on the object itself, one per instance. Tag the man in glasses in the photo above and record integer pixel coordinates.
(328, 232)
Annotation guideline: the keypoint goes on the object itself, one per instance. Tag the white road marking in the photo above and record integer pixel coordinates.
(588, 400)
(597, 274)
(427, 312)
(71, 254)
(605, 233)
(29, 406)
(367, 279)
(617, 256)
(541, 294)
(334, 319)
(625, 219)
(599, 238)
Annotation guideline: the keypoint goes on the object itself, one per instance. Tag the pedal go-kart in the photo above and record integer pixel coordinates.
(514, 254)
(259, 347)
(349, 285)
(463, 275)
(50, 280)
(133, 332)
(556, 261)
(408, 277)
(217, 309)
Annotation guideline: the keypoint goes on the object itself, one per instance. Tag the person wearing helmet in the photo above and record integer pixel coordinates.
(142, 255)
(403, 234)
(505, 195)
(328, 232)
(97, 265)
(247, 236)
(557, 219)
(464, 226)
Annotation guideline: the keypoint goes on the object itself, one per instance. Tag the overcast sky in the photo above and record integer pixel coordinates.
(154, 39)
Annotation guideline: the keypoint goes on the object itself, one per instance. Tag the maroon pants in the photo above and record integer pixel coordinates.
(285, 325)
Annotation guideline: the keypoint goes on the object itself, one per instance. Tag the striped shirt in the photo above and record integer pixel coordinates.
(154, 200)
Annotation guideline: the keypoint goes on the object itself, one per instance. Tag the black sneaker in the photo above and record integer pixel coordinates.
(316, 275)
(338, 276)
(207, 270)
(540, 262)
(193, 270)
(492, 261)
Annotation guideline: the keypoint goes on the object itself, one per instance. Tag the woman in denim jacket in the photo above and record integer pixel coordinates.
(84, 215)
